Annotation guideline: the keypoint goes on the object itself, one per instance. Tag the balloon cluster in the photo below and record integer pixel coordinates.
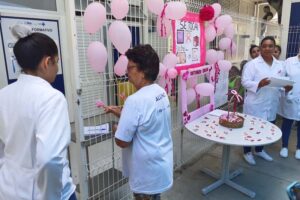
(167, 12)
(219, 25)
(93, 19)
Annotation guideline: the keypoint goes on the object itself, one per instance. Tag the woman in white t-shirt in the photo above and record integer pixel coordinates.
(144, 129)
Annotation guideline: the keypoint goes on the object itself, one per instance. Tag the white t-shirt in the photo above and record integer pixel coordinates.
(146, 123)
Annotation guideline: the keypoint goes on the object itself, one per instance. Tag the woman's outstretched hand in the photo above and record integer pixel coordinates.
(116, 110)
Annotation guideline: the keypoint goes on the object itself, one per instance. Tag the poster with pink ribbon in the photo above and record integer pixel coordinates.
(189, 42)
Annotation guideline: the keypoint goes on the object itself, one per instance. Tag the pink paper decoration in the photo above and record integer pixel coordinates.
(155, 6)
(120, 67)
(94, 17)
(210, 33)
(100, 104)
(205, 89)
(211, 56)
(175, 10)
(120, 35)
(97, 56)
(119, 8)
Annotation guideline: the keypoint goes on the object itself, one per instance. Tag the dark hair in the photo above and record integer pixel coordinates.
(234, 71)
(267, 7)
(146, 59)
(252, 47)
(30, 50)
(278, 47)
(268, 38)
(242, 65)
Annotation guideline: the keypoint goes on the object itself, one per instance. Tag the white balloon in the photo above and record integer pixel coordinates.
(162, 69)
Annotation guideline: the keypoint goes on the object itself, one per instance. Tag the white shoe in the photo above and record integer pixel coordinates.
(249, 158)
(264, 155)
(284, 152)
(297, 154)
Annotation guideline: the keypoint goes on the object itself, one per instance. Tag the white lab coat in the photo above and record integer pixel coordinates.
(290, 102)
(262, 102)
(34, 136)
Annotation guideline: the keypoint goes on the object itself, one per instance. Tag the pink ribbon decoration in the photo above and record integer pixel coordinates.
(217, 74)
(100, 104)
(236, 98)
(163, 29)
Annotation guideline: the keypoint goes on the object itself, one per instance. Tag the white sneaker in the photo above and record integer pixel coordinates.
(249, 158)
(284, 152)
(297, 154)
(264, 155)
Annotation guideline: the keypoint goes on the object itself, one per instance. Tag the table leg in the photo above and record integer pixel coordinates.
(225, 176)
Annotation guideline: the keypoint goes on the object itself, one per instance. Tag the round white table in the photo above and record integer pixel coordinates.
(255, 132)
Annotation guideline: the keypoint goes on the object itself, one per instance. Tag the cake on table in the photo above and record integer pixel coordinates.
(232, 119)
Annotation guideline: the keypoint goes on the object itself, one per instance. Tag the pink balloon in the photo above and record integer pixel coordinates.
(120, 67)
(217, 8)
(220, 31)
(224, 65)
(175, 10)
(119, 8)
(172, 73)
(224, 43)
(97, 56)
(210, 33)
(205, 89)
(162, 69)
(220, 55)
(211, 56)
(155, 6)
(191, 82)
(164, 27)
(162, 82)
(120, 35)
(94, 17)
(229, 31)
(190, 95)
(170, 60)
(223, 21)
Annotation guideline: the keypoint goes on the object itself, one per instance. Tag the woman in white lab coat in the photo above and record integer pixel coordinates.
(289, 107)
(261, 101)
(34, 124)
